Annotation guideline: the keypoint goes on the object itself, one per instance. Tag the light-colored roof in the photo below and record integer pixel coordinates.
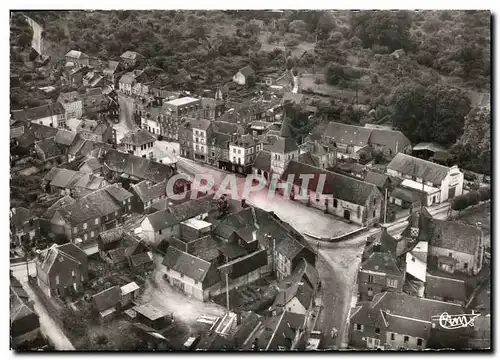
(422, 169)
(182, 101)
(77, 54)
(130, 287)
(196, 224)
(138, 137)
(150, 311)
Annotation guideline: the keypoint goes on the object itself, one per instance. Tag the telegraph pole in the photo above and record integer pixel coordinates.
(385, 207)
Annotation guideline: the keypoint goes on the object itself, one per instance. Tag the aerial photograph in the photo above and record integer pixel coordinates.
(250, 180)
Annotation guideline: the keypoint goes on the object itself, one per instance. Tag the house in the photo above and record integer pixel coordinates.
(139, 142)
(204, 247)
(148, 193)
(24, 226)
(93, 79)
(47, 150)
(432, 152)
(386, 243)
(72, 104)
(381, 181)
(343, 196)
(395, 321)
(61, 270)
(152, 316)
(74, 183)
(91, 166)
(438, 182)
(242, 152)
(131, 58)
(189, 273)
(112, 72)
(245, 76)
(82, 221)
(185, 136)
(176, 110)
(351, 140)
(129, 293)
(24, 321)
(446, 288)
(159, 226)
(52, 115)
(97, 131)
(379, 273)
(281, 332)
(201, 129)
(153, 120)
(138, 255)
(98, 105)
(107, 302)
(132, 83)
(212, 108)
(298, 291)
(323, 156)
(82, 148)
(218, 149)
(290, 253)
(77, 58)
(73, 76)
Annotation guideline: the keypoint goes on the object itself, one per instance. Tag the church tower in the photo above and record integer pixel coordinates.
(284, 149)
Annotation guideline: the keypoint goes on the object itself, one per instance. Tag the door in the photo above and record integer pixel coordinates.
(347, 215)
(451, 192)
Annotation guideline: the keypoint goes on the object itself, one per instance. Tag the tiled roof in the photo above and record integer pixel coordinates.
(453, 235)
(92, 163)
(348, 134)
(381, 262)
(64, 178)
(379, 180)
(118, 193)
(70, 252)
(423, 169)
(290, 248)
(232, 250)
(284, 145)
(49, 147)
(340, 186)
(107, 298)
(263, 161)
(202, 124)
(219, 140)
(447, 288)
(227, 127)
(130, 55)
(42, 132)
(65, 137)
(128, 78)
(405, 194)
(192, 208)
(188, 265)
(111, 67)
(20, 308)
(58, 204)
(392, 139)
(247, 71)
(292, 97)
(69, 97)
(140, 259)
(307, 158)
(111, 235)
(162, 219)
(147, 190)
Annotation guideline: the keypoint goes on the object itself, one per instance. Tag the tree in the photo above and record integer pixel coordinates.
(472, 198)
(459, 203)
(484, 193)
(384, 28)
(435, 113)
(325, 25)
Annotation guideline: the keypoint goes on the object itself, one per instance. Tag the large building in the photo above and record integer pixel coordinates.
(437, 182)
(139, 143)
(177, 109)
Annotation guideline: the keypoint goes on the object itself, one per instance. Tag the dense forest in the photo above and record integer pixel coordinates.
(422, 71)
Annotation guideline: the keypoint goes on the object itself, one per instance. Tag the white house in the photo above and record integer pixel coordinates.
(53, 115)
(439, 182)
(244, 75)
(139, 142)
(200, 134)
(159, 226)
(72, 103)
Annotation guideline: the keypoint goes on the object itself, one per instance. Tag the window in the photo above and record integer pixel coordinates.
(374, 213)
(466, 266)
(412, 259)
(75, 230)
(57, 279)
(84, 226)
(159, 231)
(377, 330)
(419, 342)
(370, 278)
(449, 254)
(358, 327)
(96, 221)
(85, 236)
(393, 336)
(234, 159)
(73, 273)
(182, 275)
(213, 153)
(239, 151)
(392, 283)
(92, 234)
(406, 338)
(335, 203)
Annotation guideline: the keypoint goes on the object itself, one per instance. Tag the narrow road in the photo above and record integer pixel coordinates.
(48, 326)
(127, 122)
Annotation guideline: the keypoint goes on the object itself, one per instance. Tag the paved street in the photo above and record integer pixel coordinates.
(126, 116)
(47, 325)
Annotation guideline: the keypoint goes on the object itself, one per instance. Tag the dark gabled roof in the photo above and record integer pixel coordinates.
(219, 140)
(422, 169)
(186, 264)
(118, 193)
(409, 195)
(263, 161)
(64, 178)
(232, 250)
(140, 259)
(246, 140)
(292, 97)
(308, 159)
(111, 235)
(342, 187)
(128, 78)
(49, 147)
(453, 235)
(348, 134)
(58, 204)
(42, 132)
(227, 127)
(138, 137)
(299, 289)
(107, 298)
(447, 288)
(202, 124)
(65, 137)
(162, 219)
(38, 112)
(381, 262)
(192, 208)
(290, 247)
(284, 145)
(111, 67)
(243, 265)
(69, 251)
(147, 190)
(247, 71)
(20, 308)
(92, 163)
(379, 180)
(393, 139)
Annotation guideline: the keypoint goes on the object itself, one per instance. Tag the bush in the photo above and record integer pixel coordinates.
(459, 203)
(484, 193)
(472, 198)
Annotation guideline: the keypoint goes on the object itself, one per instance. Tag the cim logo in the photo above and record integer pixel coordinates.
(452, 322)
